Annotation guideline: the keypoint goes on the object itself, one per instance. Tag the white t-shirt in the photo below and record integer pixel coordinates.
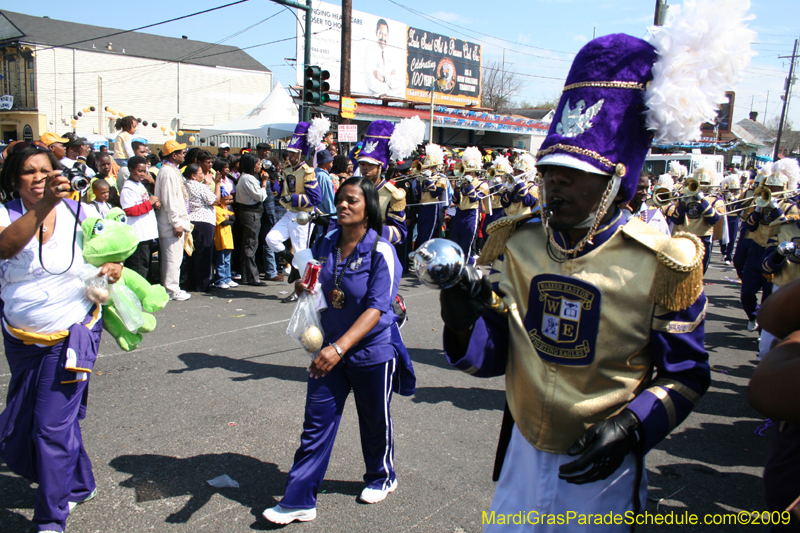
(37, 301)
(146, 226)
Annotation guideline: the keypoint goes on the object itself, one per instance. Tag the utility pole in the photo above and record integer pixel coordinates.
(344, 73)
(786, 94)
(305, 110)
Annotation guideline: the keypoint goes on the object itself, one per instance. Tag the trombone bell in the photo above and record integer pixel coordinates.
(662, 197)
(416, 167)
(459, 169)
(691, 187)
(763, 196)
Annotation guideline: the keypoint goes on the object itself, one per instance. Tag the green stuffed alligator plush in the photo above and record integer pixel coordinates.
(112, 241)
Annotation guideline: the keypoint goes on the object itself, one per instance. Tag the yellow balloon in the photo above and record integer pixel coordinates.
(73, 122)
(163, 128)
(191, 138)
(120, 113)
(171, 132)
(111, 111)
(86, 109)
(180, 132)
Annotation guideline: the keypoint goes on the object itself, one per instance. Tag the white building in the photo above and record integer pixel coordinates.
(54, 69)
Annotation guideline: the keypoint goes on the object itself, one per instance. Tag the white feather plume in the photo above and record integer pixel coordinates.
(502, 165)
(471, 157)
(434, 155)
(317, 130)
(731, 182)
(701, 52)
(789, 169)
(526, 163)
(676, 169)
(407, 135)
(764, 171)
(665, 180)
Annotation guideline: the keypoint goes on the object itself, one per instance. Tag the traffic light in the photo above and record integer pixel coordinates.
(316, 88)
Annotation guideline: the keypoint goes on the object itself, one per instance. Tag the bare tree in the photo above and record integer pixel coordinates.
(499, 86)
(790, 138)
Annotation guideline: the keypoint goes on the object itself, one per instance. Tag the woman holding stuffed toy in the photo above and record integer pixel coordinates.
(51, 332)
(363, 352)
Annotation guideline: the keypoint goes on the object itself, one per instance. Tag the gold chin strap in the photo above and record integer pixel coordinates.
(613, 185)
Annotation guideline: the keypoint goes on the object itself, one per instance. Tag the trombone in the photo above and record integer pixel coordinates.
(762, 197)
(691, 186)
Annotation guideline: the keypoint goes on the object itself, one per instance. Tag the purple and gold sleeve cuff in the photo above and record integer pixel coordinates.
(488, 347)
(682, 372)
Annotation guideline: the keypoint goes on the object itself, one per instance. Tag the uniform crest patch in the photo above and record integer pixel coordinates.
(563, 319)
(291, 183)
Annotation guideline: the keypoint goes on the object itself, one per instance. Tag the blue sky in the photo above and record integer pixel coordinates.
(537, 37)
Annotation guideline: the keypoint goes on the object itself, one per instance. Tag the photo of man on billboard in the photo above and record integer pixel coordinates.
(385, 75)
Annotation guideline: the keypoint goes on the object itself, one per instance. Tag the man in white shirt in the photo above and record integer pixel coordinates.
(75, 146)
(383, 74)
(173, 218)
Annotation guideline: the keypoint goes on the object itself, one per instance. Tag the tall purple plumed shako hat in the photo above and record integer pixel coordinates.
(600, 124)
(376, 143)
(299, 142)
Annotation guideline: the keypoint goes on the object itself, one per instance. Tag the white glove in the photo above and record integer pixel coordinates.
(700, 196)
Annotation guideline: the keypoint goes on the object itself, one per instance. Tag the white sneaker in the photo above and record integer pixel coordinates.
(73, 505)
(280, 515)
(222, 285)
(370, 495)
(728, 262)
(180, 296)
(232, 284)
(752, 325)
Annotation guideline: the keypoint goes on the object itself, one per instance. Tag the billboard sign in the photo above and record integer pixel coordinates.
(390, 59)
(456, 64)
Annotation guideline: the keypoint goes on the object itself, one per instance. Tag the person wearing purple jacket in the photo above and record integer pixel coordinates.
(363, 352)
(596, 320)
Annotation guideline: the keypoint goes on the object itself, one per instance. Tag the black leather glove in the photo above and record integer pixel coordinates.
(321, 221)
(465, 303)
(602, 449)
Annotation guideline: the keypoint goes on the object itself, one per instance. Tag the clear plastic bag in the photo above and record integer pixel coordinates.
(128, 306)
(305, 326)
(97, 287)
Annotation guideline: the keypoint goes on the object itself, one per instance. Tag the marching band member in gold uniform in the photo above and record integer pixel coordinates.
(582, 304)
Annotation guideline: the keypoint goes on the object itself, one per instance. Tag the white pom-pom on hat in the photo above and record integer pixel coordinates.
(407, 135)
(666, 181)
(434, 155)
(787, 170)
(317, 130)
(701, 52)
(502, 165)
(472, 158)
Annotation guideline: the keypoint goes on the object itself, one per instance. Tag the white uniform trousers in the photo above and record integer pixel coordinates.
(288, 228)
(529, 485)
(170, 256)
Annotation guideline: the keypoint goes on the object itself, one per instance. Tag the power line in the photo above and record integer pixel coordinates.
(145, 27)
(467, 32)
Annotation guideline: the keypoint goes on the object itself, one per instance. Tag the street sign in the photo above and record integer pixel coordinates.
(348, 133)
(349, 107)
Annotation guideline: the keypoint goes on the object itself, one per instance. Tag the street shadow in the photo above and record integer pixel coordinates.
(155, 477)
(695, 488)
(15, 493)
(727, 445)
(429, 357)
(471, 399)
(249, 370)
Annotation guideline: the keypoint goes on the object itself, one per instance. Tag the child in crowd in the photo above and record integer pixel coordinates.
(100, 189)
(138, 205)
(223, 242)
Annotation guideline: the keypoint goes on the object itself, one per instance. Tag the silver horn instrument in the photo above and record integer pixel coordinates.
(439, 263)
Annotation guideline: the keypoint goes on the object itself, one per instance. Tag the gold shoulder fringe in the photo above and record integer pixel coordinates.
(678, 280)
(499, 231)
(398, 205)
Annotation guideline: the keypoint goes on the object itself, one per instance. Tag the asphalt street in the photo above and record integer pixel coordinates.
(218, 389)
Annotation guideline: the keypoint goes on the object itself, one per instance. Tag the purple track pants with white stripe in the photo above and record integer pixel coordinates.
(325, 399)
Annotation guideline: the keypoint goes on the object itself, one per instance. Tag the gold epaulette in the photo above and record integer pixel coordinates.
(500, 231)
(398, 197)
(678, 281)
